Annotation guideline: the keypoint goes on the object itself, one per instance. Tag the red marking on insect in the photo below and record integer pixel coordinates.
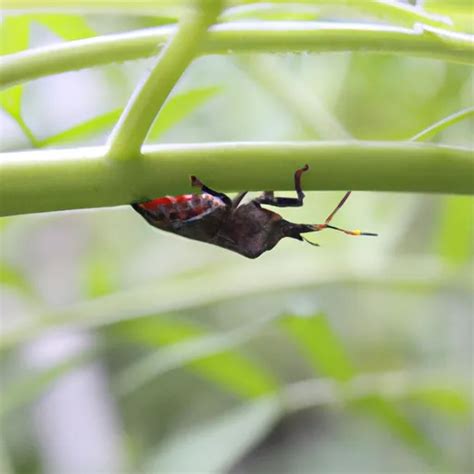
(247, 229)
(180, 208)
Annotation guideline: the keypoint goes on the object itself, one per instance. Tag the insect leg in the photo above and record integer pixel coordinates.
(268, 197)
(341, 203)
(197, 183)
(238, 199)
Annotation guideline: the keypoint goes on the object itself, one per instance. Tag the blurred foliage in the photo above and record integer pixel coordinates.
(201, 349)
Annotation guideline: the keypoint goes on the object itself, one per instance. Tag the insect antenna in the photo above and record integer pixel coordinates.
(326, 224)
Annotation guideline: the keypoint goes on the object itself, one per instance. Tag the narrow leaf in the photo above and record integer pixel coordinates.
(68, 27)
(5, 222)
(85, 129)
(388, 413)
(14, 36)
(173, 111)
(178, 107)
(217, 445)
(204, 354)
(30, 387)
(321, 345)
(324, 349)
(98, 277)
(455, 236)
(443, 399)
(10, 276)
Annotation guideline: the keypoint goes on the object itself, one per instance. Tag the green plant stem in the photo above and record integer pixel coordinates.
(437, 127)
(51, 180)
(231, 283)
(240, 37)
(294, 94)
(390, 385)
(388, 10)
(136, 120)
(27, 131)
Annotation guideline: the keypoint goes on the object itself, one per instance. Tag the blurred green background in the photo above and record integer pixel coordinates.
(126, 349)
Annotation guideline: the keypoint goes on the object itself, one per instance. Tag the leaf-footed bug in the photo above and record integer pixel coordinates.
(248, 229)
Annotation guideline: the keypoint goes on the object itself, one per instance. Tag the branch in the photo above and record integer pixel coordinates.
(387, 10)
(240, 37)
(389, 385)
(135, 122)
(51, 180)
(231, 283)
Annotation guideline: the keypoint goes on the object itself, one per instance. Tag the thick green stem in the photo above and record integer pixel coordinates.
(136, 120)
(387, 10)
(240, 37)
(51, 180)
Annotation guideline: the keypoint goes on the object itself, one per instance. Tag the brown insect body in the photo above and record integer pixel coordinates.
(213, 217)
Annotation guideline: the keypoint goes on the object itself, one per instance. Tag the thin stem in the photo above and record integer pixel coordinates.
(136, 120)
(387, 10)
(27, 131)
(35, 143)
(240, 37)
(84, 177)
(437, 127)
(231, 283)
(390, 385)
(296, 96)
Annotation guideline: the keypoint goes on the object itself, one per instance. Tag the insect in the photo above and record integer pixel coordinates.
(248, 229)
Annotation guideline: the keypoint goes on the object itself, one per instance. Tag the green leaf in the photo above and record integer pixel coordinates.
(173, 111)
(15, 36)
(85, 129)
(217, 445)
(30, 387)
(178, 107)
(447, 400)
(204, 354)
(455, 241)
(10, 276)
(437, 127)
(10, 100)
(68, 27)
(5, 222)
(98, 277)
(324, 349)
(321, 345)
(398, 423)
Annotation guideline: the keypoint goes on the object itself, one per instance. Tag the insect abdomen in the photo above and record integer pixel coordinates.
(181, 208)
